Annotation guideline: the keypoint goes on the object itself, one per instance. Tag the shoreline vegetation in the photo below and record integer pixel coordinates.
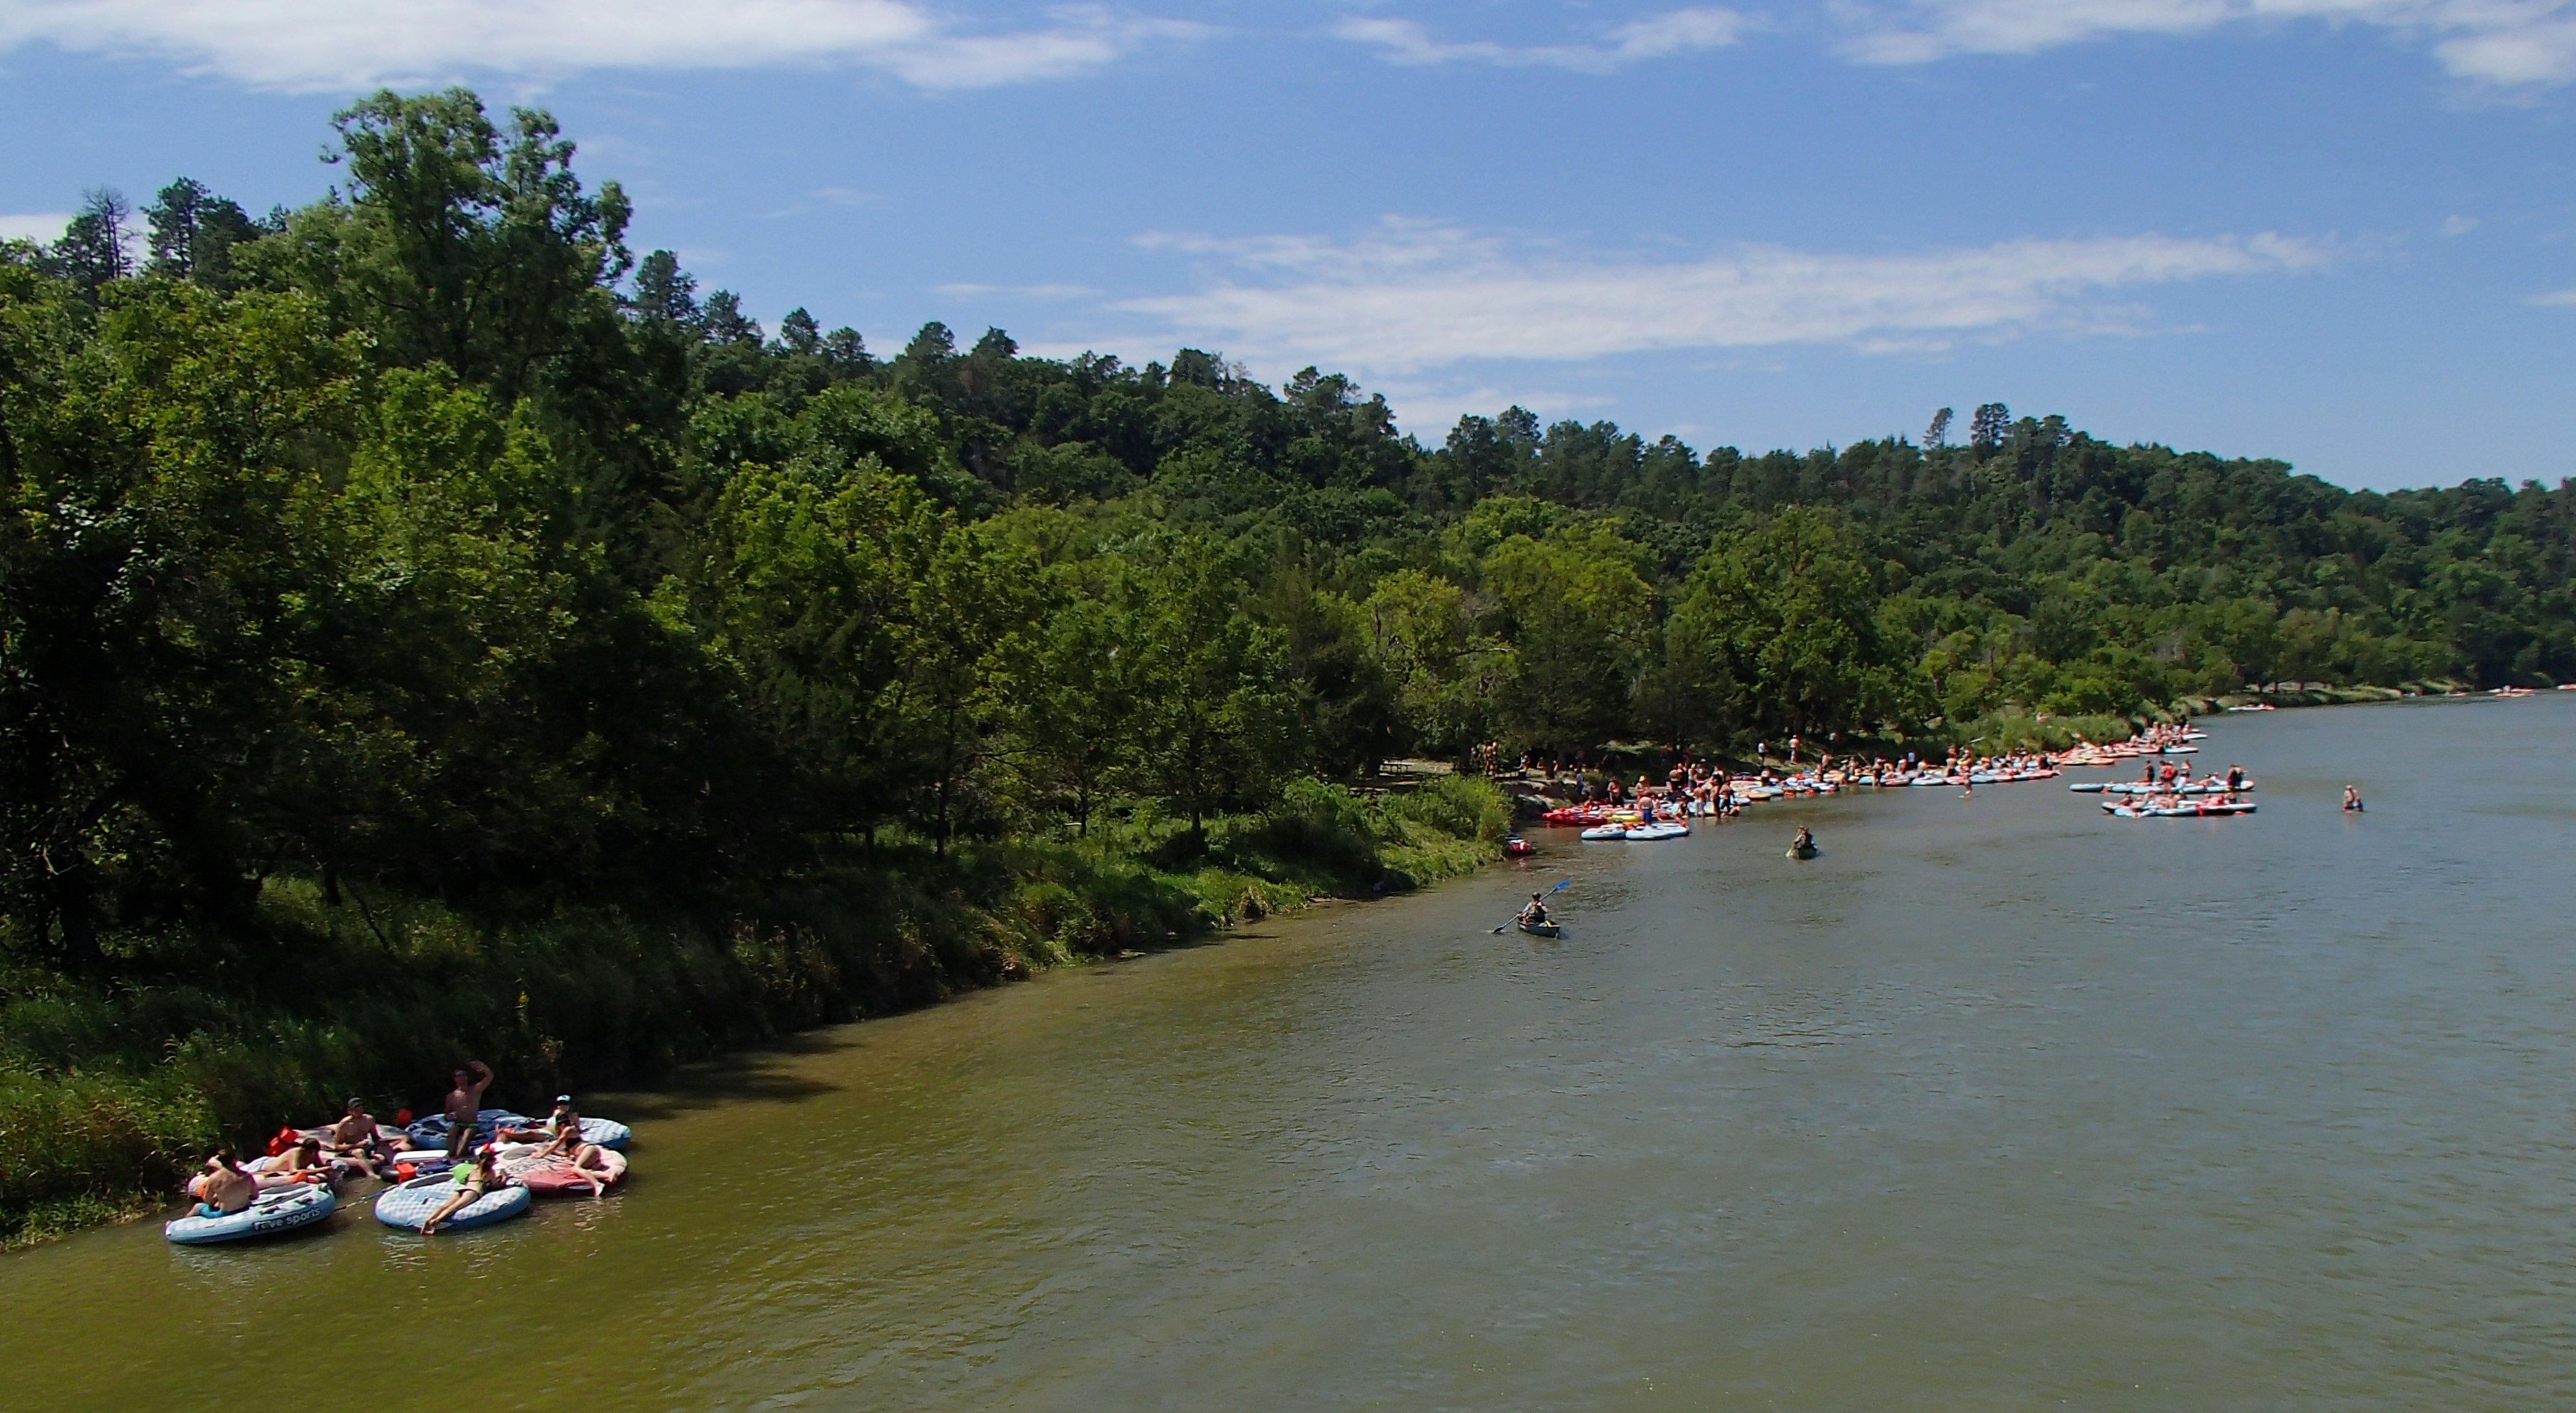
(341, 1000)
(430, 628)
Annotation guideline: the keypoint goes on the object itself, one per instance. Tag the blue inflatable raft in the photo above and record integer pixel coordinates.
(271, 1214)
(408, 1205)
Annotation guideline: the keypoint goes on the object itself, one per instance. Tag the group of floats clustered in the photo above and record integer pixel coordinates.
(2166, 789)
(420, 1178)
(2169, 791)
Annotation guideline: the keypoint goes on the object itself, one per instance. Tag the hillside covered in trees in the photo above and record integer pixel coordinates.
(418, 583)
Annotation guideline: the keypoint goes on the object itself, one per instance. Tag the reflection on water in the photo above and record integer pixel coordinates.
(2001, 1103)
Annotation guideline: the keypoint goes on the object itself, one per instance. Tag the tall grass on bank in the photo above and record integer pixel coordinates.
(110, 1094)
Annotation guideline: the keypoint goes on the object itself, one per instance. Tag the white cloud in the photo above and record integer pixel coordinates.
(1417, 295)
(2458, 225)
(2501, 42)
(335, 46)
(2555, 299)
(44, 227)
(1654, 37)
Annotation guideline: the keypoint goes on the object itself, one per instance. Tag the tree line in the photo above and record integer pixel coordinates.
(424, 539)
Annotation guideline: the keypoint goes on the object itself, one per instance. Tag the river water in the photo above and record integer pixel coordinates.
(1999, 1104)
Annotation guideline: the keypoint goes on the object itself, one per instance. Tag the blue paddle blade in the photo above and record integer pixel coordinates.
(1562, 886)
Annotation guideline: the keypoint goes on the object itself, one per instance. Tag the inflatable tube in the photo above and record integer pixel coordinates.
(606, 1133)
(1606, 831)
(410, 1204)
(270, 1214)
(2088, 787)
(554, 1176)
(1514, 847)
(431, 1132)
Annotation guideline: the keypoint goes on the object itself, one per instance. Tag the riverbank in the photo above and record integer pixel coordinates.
(108, 1094)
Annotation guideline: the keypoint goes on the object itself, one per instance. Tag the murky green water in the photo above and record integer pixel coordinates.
(2000, 1104)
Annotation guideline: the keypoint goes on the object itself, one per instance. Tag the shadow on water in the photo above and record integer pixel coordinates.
(773, 1073)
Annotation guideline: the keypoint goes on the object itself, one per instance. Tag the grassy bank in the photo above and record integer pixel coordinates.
(109, 1095)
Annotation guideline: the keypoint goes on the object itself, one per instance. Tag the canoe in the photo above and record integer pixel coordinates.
(1543, 929)
(553, 1176)
(409, 1205)
(269, 1214)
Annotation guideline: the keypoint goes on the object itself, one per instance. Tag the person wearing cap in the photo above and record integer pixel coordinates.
(589, 1160)
(545, 1132)
(356, 1139)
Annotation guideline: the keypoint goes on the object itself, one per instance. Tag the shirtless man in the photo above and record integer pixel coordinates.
(357, 1139)
(462, 1103)
(225, 1189)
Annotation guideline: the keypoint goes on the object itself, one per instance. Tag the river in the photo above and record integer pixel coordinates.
(1999, 1104)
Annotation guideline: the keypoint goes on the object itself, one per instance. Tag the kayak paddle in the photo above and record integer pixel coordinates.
(1552, 892)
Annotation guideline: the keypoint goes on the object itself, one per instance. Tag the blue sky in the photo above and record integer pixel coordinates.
(2333, 231)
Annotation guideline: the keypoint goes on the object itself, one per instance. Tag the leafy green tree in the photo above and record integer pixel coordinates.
(1789, 612)
(194, 232)
(469, 245)
(1576, 612)
(1075, 694)
(1217, 721)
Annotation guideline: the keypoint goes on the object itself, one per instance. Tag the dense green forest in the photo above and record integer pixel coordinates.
(425, 624)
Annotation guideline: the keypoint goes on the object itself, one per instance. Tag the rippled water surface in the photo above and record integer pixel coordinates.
(1999, 1104)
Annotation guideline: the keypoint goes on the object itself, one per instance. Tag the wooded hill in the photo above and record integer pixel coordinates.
(423, 544)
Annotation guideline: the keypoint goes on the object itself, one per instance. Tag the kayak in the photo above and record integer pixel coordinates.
(1543, 929)
(269, 1214)
(1808, 851)
(410, 1204)
(555, 1175)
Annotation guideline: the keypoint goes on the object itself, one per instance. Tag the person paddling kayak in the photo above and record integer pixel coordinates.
(1535, 914)
(2352, 798)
